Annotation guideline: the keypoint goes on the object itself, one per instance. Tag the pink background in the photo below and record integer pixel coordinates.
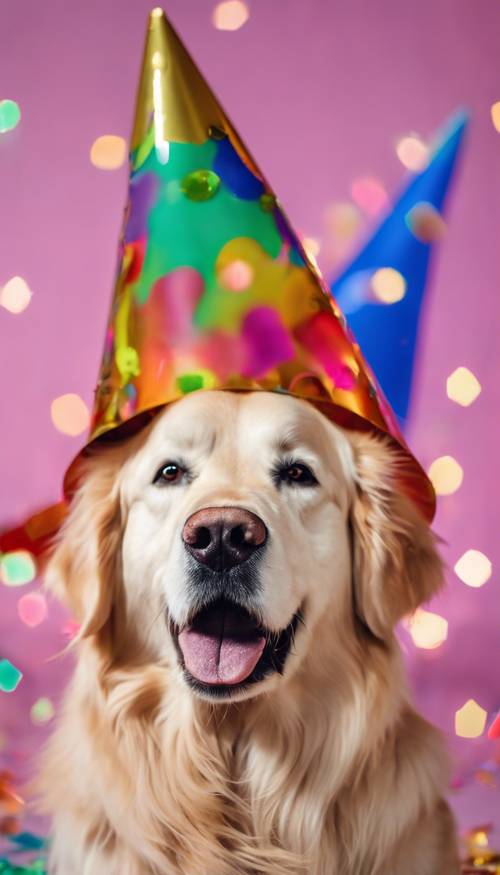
(320, 90)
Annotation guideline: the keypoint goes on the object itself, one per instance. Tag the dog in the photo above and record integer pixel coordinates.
(238, 704)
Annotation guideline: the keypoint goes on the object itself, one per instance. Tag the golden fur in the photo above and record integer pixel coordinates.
(327, 770)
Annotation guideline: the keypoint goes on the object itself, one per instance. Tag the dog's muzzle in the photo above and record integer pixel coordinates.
(223, 641)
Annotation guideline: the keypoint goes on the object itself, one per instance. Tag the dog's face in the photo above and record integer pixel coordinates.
(237, 521)
(231, 529)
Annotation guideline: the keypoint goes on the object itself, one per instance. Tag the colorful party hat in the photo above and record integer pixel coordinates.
(214, 289)
(403, 241)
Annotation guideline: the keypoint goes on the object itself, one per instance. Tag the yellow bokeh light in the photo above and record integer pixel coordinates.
(15, 295)
(230, 15)
(470, 720)
(412, 152)
(427, 630)
(388, 285)
(495, 115)
(108, 152)
(463, 387)
(473, 568)
(446, 475)
(70, 414)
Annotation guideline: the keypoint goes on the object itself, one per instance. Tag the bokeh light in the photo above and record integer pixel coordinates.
(10, 676)
(495, 115)
(427, 630)
(446, 475)
(426, 223)
(70, 629)
(473, 568)
(17, 568)
(42, 711)
(388, 285)
(311, 246)
(369, 194)
(15, 295)
(470, 720)
(10, 115)
(108, 152)
(70, 414)
(343, 219)
(32, 609)
(412, 152)
(463, 387)
(230, 15)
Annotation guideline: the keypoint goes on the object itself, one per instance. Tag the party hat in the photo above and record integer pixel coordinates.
(403, 241)
(214, 289)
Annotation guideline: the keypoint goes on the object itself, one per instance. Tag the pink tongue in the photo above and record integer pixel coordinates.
(214, 661)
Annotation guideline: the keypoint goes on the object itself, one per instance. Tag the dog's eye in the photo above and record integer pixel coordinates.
(295, 473)
(169, 473)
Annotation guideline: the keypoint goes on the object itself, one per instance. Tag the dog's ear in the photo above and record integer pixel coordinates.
(85, 567)
(396, 565)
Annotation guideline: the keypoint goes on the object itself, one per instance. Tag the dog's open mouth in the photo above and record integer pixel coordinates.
(225, 647)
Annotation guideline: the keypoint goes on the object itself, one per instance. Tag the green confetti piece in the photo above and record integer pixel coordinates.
(10, 676)
(141, 154)
(10, 115)
(17, 568)
(42, 711)
(267, 202)
(190, 383)
(201, 185)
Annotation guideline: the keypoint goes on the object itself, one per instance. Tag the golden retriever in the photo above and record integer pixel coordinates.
(238, 704)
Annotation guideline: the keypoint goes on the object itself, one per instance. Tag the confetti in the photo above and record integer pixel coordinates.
(201, 185)
(10, 676)
(10, 115)
(15, 295)
(17, 568)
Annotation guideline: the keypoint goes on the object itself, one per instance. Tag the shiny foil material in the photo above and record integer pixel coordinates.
(213, 288)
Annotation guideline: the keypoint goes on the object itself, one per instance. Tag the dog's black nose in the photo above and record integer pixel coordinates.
(222, 537)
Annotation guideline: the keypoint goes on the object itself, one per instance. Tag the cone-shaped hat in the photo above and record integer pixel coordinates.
(213, 287)
(403, 240)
